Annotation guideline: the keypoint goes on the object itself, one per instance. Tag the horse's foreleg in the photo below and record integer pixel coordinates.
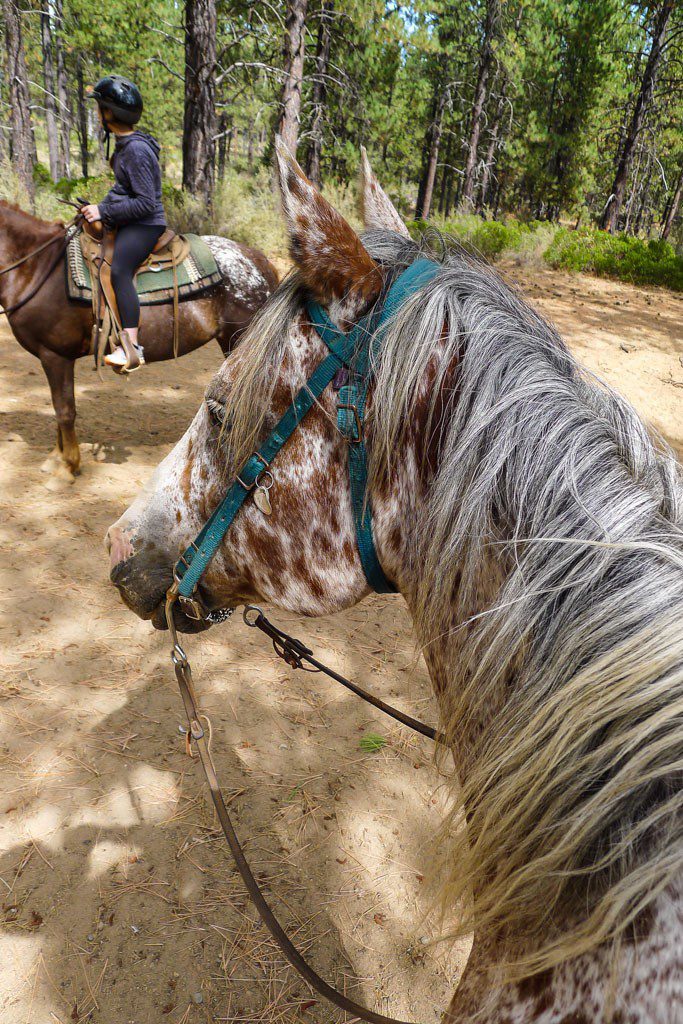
(60, 375)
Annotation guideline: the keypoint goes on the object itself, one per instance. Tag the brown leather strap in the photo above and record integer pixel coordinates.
(176, 300)
(184, 676)
(295, 654)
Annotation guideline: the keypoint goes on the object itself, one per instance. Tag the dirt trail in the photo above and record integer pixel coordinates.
(118, 903)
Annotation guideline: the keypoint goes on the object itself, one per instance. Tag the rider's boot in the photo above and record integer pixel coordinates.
(127, 356)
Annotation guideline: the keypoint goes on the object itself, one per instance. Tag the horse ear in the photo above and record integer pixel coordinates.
(378, 209)
(331, 258)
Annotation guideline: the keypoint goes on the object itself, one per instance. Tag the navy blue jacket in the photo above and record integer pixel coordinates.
(136, 196)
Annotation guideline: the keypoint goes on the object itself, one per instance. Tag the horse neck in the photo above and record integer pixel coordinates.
(20, 234)
(397, 517)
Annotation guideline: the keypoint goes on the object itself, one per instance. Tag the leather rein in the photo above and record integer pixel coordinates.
(295, 653)
(353, 354)
(63, 243)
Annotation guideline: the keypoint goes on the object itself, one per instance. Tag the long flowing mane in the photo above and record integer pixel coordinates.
(549, 485)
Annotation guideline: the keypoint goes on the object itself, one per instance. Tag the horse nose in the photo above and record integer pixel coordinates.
(118, 546)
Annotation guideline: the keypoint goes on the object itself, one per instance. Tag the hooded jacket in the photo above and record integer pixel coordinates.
(136, 196)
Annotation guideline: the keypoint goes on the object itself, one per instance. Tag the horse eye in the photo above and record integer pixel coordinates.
(216, 411)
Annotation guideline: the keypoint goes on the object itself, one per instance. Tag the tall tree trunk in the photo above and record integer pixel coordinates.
(612, 210)
(433, 141)
(491, 150)
(446, 177)
(199, 128)
(82, 116)
(634, 189)
(21, 142)
(250, 144)
(672, 209)
(322, 59)
(290, 103)
(49, 84)
(63, 105)
(222, 144)
(644, 194)
(480, 95)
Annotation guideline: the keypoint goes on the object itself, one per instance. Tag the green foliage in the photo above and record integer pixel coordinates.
(622, 256)
(562, 88)
(371, 743)
(490, 238)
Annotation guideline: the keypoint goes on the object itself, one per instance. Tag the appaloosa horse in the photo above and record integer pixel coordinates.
(58, 330)
(536, 533)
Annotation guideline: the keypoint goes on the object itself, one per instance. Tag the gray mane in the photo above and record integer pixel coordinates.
(553, 499)
(549, 553)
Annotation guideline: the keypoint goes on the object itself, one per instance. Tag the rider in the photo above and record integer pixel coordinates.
(133, 206)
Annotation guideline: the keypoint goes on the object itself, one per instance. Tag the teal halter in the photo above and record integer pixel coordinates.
(355, 352)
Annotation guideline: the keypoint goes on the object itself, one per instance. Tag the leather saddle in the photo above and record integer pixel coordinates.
(97, 246)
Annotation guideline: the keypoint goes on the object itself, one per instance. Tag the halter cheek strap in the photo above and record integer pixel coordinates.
(356, 351)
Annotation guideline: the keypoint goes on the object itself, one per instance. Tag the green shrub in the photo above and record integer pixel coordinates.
(490, 238)
(621, 256)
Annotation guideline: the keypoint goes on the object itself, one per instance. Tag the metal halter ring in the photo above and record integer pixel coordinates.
(259, 479)
(248, 608)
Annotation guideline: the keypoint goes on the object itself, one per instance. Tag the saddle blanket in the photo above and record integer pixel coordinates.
(197, 273)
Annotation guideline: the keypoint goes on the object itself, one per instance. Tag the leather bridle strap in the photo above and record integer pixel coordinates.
(295, 653)
(183, 674)
(292, 954)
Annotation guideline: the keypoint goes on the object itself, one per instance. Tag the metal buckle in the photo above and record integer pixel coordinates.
(193, 607)
(358, 425)
(264, 463)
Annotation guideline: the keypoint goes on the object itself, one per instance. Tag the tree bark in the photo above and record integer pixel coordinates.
(82, 117)
(612, 210)
(290, 103)
(50, 96)
(322, 60)
(199, 129)
(480, 95)
(433, 141)
(63, 105)
(674, 204)
(222, 145)
(21, 142)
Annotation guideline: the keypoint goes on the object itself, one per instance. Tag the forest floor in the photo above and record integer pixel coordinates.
(118, 901)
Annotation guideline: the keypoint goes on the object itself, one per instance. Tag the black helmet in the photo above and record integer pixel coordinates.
(120, 96)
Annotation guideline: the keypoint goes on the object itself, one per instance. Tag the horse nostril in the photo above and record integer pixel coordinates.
(107, 542)
(118, 545)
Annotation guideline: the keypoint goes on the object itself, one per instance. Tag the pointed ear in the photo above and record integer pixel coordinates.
(329, 254)
(378, 209)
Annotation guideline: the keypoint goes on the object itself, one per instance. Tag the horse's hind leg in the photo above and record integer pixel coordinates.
(60, 375)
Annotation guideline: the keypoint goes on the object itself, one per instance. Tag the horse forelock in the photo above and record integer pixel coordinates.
(550, 492)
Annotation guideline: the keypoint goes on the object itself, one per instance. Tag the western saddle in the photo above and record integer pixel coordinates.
(97, 244)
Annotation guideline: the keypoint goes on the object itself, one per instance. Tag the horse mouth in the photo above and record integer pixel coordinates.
(183, 622)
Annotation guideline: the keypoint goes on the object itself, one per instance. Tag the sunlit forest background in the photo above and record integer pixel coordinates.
(548, 126)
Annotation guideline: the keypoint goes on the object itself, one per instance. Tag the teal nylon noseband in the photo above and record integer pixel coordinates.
(355, 351)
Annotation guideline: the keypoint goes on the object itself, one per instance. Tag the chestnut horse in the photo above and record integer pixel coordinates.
(535, 531)
(57, 330)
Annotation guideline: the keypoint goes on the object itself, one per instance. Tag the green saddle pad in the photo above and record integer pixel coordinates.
(196, 273)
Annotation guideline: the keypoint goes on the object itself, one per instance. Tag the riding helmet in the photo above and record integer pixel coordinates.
(120, 96)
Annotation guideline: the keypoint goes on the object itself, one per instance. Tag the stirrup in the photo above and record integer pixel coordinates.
(133, 356)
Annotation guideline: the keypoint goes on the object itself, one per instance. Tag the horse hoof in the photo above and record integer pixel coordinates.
(51, 462)
(61, 477)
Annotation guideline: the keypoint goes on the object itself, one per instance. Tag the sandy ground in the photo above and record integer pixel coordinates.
(118, 901)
